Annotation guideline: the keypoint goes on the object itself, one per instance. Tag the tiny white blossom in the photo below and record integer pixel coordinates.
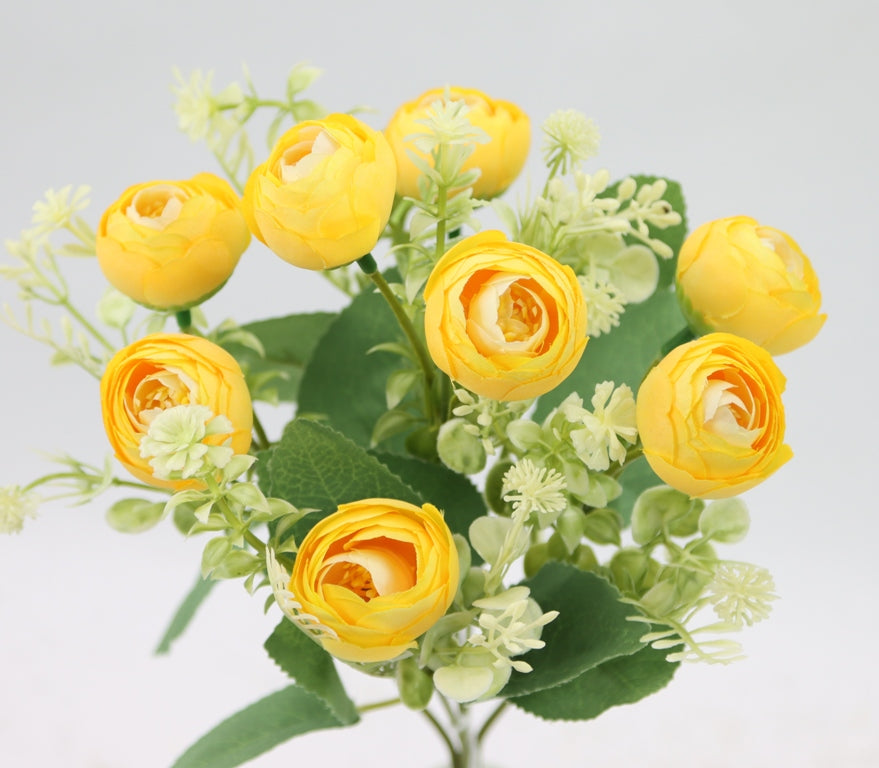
(534, 489)
(611, 422)
(446, 122)
(742, 593)
(571, 139)
(16, 505)
(511, 624)
(57, 208)
(174, 443)
(604, 304)
(197, 107)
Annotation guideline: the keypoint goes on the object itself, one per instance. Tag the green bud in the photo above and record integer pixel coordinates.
(570, 526)
(422, 443)
(584, 558)
(535, 558)
(660, 599)
(602, 526)
(725, 520)
(184, 517)
(236, 564)
(557, 549)
(134, 515)
(628, 567)
(494, 483)
(214, 552)
(414, 683)
(460, 450)
(659, 508)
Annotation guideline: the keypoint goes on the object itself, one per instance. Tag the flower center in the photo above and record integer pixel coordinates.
(730, 410)
(793, 261)
(157, 206)
(155, 392)
(372, 568)
(301, 159)
(505, 313)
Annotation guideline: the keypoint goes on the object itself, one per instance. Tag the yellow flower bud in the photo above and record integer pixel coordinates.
(325, 194)
(504, 319)
(710, 416)
(172, 244)
(499, 160)
(379, 573)
(163, 370)
(737, 276)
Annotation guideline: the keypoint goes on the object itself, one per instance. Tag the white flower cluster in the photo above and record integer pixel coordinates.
(175, 443)
(16, 505)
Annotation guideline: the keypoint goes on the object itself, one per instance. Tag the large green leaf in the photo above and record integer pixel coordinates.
(314, 466)
(180, 621)
(622, 680)
(288, 343)
(625, 354)
(311, 667)
(343, 384)
(590, 629)
(258, 728)
(449, 491)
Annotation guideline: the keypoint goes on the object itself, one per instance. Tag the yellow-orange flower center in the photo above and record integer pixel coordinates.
(301, 158)
(157, 206)
(731, 410)
(155, 391)
(507, 313)
(371, 568)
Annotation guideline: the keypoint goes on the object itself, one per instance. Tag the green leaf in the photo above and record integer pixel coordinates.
(135, 515)
(590, 629)
(313, 466)
(258, 728)
(622, 680)
(312, 668)
(448, 491)
(342, 383)
(180, 621)
(625, 354)
(289, 343)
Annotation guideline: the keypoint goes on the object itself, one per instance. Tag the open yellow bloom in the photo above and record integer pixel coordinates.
(172, 244)
(737, 276)
(163, 370)
(710, 416)
(325, 194)
(504, 319)
(379, 573)
(500, 160)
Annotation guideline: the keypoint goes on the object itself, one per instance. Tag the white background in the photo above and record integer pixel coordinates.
(762, 108)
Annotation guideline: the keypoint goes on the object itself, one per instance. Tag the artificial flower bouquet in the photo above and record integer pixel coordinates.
(515, 455)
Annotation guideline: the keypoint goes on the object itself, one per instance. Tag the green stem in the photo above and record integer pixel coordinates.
(99, 337)
(378, 705)
(456, 755)
(184, 320)
(370, 269)
(491, 720)
(262, 439)
(440, 249)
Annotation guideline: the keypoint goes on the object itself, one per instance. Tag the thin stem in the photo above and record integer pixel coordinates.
(491, 720)
(262, 439)
(88, 326)
(368, 265)
(456, 755)
(378, 705)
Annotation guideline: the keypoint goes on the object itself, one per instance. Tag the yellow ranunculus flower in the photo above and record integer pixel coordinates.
(325, 194)
(737, 276)
(500, 160)
(379, 573)
(710, 416)
(504, 319)
(163, 370)
(172, 244)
